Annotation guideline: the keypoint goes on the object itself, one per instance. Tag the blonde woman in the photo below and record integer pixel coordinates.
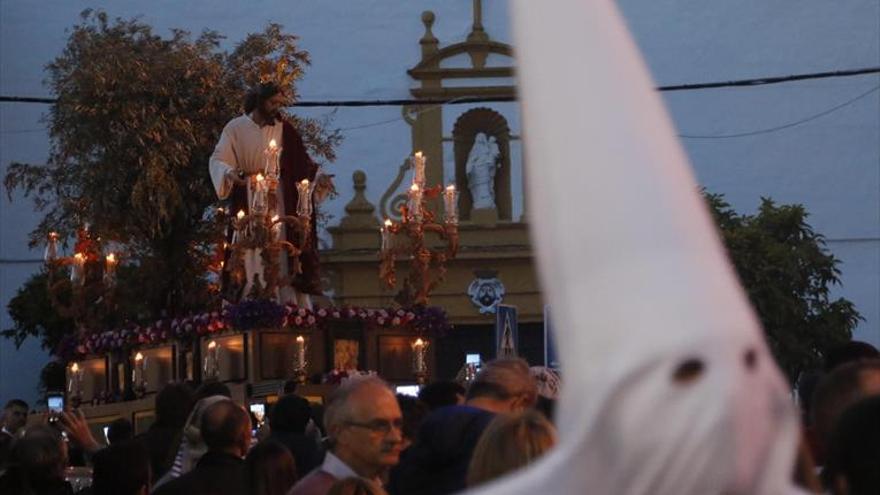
(510, 442)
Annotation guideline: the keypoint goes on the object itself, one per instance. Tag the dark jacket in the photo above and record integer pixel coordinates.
(437, 463)
(215, 474)
(305, 451)
(162, 443)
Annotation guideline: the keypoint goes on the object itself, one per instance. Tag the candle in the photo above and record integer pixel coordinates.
(300, 362)
(304, 204)
(110, 270)
(273, 153)
(415, 203)
(211, 364)
(260, 204)
(450, 202)
(419, 169)
(419, 347)
(239, 215)
(75, 387)
(77, 269)
(386, 235)
(139, 364)
(51, 253)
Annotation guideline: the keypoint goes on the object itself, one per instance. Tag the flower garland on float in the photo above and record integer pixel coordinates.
(248, 315)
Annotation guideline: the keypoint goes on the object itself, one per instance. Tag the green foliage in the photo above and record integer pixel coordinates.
(136, 119)
(34, 317)
(787, 272)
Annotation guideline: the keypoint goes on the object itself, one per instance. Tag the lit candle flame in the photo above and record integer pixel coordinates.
(74, 367)
(79, 257)
(111, 258)
(53, 235)
(419, 343)
(275, 218)
(240, 214)
(450, 188)
(388, 223)
(138, 357)
(260, 178)
(418, 154)
(300, 339)
(212, 344)
(272, 144)
(414, 187)
(305, 182)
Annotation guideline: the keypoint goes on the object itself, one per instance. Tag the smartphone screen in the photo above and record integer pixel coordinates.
(472, 359)
(106, 431)
(259, 411)
(56, 403)
(410, 390)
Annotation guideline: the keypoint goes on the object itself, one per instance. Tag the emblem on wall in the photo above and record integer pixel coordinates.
(486, 291)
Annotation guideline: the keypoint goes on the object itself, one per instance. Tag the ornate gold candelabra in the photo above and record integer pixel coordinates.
(428, 266)
(260, 233)
(91, 280)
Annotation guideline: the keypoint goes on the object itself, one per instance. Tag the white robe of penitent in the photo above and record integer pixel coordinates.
(668, 386)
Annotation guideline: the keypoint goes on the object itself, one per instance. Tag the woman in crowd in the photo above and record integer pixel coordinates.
(270, 469)
(510, 442)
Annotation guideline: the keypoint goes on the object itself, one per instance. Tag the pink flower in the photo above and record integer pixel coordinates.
(311, 320)
(395, 321)
(298, 321)
(336, 314)
(322, 312)
(400, 312)
(410, 316)
(301, 312)
(380, 321)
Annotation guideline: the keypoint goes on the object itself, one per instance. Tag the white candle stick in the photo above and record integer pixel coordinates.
(450, 200)
(260, 199)
(51, 253)
(139, 365)
(304, 204)
(386, 235)
(300, 362)
(273, 153)
(110, 263)
(415, 203)
(419, 169)
(77, 269)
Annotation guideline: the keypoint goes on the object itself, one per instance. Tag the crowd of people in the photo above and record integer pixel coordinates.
(366, 440)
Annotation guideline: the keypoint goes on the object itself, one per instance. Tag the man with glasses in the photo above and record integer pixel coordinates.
(363, 422)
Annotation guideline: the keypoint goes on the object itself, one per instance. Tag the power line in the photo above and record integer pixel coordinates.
(761, 81)
(783, 126)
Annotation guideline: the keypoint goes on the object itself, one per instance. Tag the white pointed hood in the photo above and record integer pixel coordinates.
(640, 285)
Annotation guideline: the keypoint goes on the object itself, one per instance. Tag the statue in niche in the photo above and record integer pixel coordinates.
(482, 163)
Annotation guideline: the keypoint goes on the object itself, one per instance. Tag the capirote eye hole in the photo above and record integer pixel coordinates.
(750, 358)
(688, 371)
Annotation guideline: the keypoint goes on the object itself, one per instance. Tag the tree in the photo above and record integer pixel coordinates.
(136, 118)
(787, 272)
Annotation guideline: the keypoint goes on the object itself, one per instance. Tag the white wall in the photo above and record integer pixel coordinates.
(362, 48)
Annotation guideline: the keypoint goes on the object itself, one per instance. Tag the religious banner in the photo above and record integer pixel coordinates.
(506, 331)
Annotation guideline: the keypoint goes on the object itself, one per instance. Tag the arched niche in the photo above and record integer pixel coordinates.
(466, 128)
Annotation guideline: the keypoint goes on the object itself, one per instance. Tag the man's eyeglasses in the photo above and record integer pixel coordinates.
(382, 426)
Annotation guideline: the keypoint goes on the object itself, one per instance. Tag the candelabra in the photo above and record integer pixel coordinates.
(90, 282)
(258, 243)
(428, 266)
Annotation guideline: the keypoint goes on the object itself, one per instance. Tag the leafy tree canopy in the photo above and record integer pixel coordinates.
(788, 273)
(136, 118)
